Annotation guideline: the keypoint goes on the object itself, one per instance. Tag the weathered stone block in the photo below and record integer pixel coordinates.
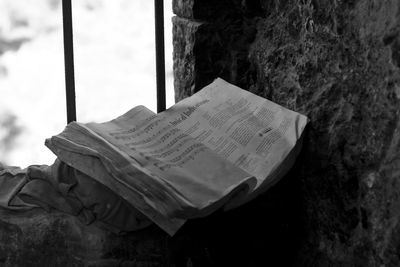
(338, 63)
(215, 47)
(40, 239)
(186, 35)
(183, 8)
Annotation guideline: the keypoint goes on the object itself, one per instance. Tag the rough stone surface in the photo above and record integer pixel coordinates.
(183, 8)
(338, 62)
(37, 238)
(186, 36)
(219, 48)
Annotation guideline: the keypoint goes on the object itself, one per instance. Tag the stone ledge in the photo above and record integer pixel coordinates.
(37, 238)
(252, 235)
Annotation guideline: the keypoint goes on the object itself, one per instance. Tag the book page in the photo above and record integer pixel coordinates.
(251, 132)
(201, 179)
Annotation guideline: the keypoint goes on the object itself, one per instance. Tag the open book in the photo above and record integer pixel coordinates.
(219, 148)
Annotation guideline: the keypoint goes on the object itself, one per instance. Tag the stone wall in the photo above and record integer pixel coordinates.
(37, 238)
(338, 62)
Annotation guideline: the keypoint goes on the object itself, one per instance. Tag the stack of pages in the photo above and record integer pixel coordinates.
(219, 148)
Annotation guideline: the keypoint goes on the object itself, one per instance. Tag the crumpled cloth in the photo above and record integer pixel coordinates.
(12, 180)
(68, 190)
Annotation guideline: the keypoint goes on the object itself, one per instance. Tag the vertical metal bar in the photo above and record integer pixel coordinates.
(160, 54)
(69, 60)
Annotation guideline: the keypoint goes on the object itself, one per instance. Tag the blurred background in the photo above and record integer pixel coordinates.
(114, 68)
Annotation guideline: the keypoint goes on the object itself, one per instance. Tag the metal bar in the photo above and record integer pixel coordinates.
(69, 60)
(160, 54)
